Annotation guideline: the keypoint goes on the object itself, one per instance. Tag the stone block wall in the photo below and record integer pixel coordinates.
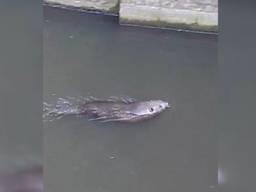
(107, 6)
(199, 15)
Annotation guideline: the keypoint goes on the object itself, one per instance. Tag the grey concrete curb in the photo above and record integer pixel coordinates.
(105, 6)
(195, 15)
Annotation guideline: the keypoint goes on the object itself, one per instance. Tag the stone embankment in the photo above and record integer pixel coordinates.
(198, 15)
(105, 6)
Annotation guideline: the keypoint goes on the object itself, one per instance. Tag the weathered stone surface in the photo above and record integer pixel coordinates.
(199, 15)
(110, 6)
(185, 14)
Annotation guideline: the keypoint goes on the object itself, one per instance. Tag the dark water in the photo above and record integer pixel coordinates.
(236, 121)
(20, 86)
(20, 97)
(29, 179)
(86, 54)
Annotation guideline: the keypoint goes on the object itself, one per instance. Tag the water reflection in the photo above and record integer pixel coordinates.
(221, 177)
(26, 180)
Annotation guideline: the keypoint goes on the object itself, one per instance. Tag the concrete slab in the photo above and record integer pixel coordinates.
(108, 6)
(199, 15)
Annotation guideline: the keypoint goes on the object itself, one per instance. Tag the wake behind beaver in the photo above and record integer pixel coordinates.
(120, 109)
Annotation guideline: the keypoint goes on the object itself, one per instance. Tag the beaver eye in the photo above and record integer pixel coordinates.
(151, 109)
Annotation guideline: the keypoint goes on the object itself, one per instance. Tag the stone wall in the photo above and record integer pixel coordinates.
(183, 14)
(107, 6)
(199, 15)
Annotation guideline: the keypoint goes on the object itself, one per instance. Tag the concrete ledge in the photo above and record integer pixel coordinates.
(195, 15)
(199, 15)
(106, 6)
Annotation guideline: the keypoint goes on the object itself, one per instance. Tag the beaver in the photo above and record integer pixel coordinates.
(108, 110)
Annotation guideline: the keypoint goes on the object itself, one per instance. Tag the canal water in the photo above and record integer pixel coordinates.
(89, 54)
(20, 87)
